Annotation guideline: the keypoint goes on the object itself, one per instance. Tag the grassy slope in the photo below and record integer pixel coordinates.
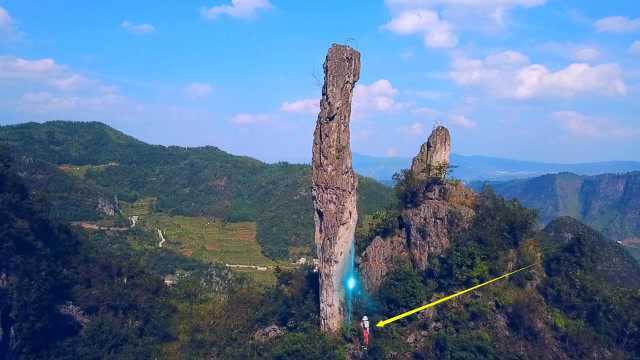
(195, 182)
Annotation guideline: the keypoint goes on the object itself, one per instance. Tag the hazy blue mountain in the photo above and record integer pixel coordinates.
(609, 203)
(471, 167)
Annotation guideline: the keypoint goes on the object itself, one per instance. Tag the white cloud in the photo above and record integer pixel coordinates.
(430, 94)
(17, 68)
(71, 82)
(617, 24)
(440, 21)
(506, 58)
(585, 126)
(469, 3)
(42, 72)
(306, 106)
(587, 54)
(414, 129)
(635, 48)
(46, 102)
(42, 85)
(572, 51)
(379, 96)
(6, 22)
(198, 90)
(425, 111)
(250, 119)
(391, 152)
(510, 75)
(462, 121)
(436, 32)
(137, 29)
(244, 9)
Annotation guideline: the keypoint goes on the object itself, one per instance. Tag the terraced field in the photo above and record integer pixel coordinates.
(142, 207)
(213, 240)
(81, 170)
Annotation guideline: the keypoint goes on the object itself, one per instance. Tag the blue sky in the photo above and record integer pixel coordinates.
(526, 79)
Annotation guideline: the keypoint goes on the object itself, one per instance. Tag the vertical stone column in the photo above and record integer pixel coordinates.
(334, 183)
(433, 155)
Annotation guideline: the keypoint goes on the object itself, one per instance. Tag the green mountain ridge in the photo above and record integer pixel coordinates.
(580, 300)
(609, 203)
(200, 181)
(68, 295)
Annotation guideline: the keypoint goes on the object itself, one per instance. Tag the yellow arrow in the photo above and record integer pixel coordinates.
(382, 323)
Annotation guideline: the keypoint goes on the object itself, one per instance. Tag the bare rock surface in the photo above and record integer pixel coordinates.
(433, 155)
(427, 228)
(268, 333)
(334, 183)
(380, 258)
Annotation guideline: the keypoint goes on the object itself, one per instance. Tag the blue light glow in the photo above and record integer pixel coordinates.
(351, 283)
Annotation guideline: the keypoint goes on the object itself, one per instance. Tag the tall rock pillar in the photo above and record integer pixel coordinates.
(433, 158)
(334, 183)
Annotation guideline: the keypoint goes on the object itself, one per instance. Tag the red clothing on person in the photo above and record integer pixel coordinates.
(365, 334)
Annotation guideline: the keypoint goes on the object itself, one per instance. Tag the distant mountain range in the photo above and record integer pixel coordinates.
(609, 203)
(484, 168)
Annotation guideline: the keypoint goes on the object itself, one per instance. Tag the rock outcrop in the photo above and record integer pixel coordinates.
(444, 210)
(433, 158)
(426, 226)
(334, 183)
(379, 258)
(268, 333)
(107, 207)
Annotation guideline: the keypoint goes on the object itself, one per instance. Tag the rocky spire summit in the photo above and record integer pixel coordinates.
(433, 158)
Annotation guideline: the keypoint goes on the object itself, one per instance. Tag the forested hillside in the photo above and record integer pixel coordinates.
(580, 301)
(67, 295)
(73, 295)
(609, 203)
(85, 167)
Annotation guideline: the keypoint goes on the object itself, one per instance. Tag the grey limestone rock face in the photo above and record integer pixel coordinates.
(426, 229)
(334, 183)
(380, 258)
(434, 155)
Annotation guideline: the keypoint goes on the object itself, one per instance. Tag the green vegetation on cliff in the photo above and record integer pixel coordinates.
(582, 301)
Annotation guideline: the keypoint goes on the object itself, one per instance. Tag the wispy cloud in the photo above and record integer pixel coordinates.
(244, 119)
(379, 96)
(440, 22)
(137, 29)
(436, 32)
(243, 9)
(635, 48)
(8, 29)
(6, 22)
(43, 85)
(617, 24)
(305, 106)
(425, 112)
(416, 129)
(509, 74)
(585, 126)
(198, 90)
(462, 121)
